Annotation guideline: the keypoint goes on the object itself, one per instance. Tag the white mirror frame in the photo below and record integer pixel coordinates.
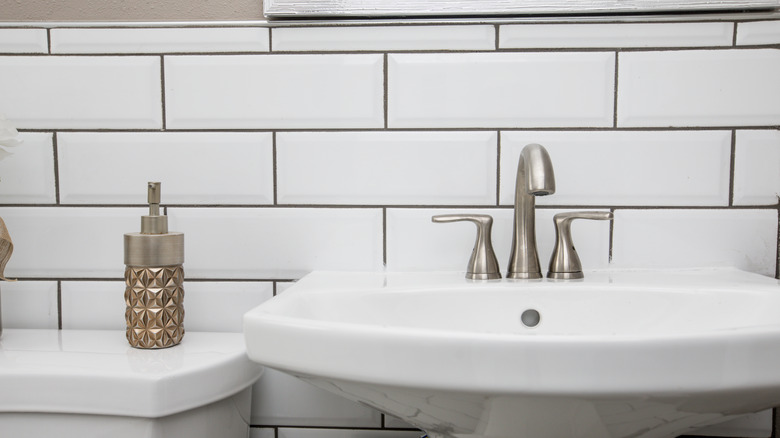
(385, 8)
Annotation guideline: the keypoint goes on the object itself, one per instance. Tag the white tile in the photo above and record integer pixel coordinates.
(160, 40)
(757, 168)
(699, 88)
(415, 243)
(262, 432)
(23, 41)
(626, 167)
(274, 91)
(69, 242)
(746, 239)
(758, 33)
(384, 38)
(27, 176)
(282, 286)
(376, 168)
(52, 92)
(278, 398)
(93, 305)
(585, 35)
(194, 168)
(500, 90)
(353, 433)
(220, 306)
(277, 243)
(29, 304)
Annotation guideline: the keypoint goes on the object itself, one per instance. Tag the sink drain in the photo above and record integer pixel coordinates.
(530, 318)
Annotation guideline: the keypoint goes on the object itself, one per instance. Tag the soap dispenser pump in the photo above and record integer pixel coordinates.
(154, 292)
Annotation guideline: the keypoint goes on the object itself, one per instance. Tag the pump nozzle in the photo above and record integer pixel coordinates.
(154, 223)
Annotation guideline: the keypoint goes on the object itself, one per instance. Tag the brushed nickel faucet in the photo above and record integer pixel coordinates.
(534, 178)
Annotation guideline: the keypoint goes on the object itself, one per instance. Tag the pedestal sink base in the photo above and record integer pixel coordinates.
(460, 415)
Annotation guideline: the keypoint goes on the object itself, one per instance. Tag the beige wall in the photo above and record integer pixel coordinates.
(129, 10)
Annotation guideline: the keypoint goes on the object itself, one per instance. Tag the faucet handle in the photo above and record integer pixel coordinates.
(483, 264)
(565, 263)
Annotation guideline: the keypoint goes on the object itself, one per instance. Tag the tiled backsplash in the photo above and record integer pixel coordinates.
(288, 148)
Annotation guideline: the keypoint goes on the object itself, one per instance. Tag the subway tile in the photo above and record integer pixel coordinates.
(745, 239)
(65, 242)
(348, 433)
(93, 305)
(75, 92)
(262, 432)
(384, 38)
(282, 286)
(209, 306)
(500, 90)
(23, 41)
(277, 243)
(278, 398)
(757, 168)
(274, 91)
(414, 243)
(602, 35)
(220, 306)
(758, 33)
(374, 168)
(699, 88)
(30, 304)
(194, 168)
(27, 176)
(677, 168)
(160, 40)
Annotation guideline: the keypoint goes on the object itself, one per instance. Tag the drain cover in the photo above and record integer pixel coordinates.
(530, 318)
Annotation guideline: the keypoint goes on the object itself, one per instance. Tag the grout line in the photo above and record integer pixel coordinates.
(386, 86)
(55, 151)
(615, 95)
(611, 234)
(498, 169)
(273, 286)
(275, 167)
(732, 162)
(48, 41)
(384, 236)
(270, 40)
(59, 305)
(497, 30)
(734, 35)
(408, 206)
(777, 265)
(162, 92)
(428, 129)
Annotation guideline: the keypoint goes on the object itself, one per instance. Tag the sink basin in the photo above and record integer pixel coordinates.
(653, 353)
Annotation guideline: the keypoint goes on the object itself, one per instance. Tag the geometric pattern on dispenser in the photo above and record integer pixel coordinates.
(155, 306)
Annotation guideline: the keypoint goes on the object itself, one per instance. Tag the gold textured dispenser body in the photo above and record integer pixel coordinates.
(154, 277)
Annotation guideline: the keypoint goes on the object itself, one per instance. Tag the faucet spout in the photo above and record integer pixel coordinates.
(534, 178)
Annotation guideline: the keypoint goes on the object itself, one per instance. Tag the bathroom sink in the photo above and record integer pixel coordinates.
(652, 353)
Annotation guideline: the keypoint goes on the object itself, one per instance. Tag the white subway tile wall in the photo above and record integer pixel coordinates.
(113, 168)
(288, 148)
(160, 40)
(553, 36)
(384, 38)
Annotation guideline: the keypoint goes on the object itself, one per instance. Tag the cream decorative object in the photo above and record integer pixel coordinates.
(155, 306)
(8, 136)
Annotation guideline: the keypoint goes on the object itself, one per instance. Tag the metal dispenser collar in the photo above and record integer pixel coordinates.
(154, 223)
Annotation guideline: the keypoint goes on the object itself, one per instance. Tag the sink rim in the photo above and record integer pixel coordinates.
(474, 364)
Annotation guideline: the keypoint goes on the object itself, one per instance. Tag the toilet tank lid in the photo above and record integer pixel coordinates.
(97, 372)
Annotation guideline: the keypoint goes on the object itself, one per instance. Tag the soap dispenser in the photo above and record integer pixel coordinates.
(154, 277)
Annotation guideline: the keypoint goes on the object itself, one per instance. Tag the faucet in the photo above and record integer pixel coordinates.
(534, 178)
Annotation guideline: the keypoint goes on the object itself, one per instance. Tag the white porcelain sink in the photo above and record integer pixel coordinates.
(619, 354)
